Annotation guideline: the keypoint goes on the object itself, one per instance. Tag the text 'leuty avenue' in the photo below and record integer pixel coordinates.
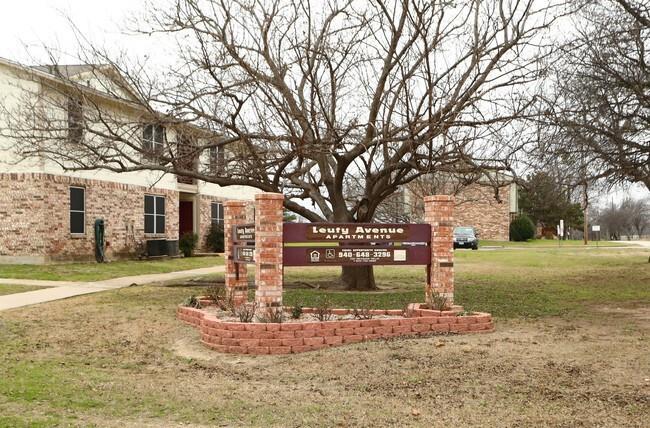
(357, 232)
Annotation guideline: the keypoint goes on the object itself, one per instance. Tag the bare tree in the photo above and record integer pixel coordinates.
(599, 99)
(628, 218)
(307, 94)
(637, 212)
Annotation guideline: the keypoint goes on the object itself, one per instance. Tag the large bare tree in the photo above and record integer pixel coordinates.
(598, 99)
(307, 95)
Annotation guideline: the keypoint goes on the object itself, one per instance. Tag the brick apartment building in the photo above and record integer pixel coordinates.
(47, 214)
(484, 205)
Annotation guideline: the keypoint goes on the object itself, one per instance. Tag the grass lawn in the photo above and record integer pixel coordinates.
(13, 288)
(554, 243)
(99, 271)
(571, 349)
(514, 283)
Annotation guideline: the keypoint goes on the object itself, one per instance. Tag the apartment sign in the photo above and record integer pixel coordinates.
(243, 237)
(350, 244)
(244, 233)
(244, 254)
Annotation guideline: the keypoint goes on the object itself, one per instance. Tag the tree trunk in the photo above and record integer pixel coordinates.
(361, 278)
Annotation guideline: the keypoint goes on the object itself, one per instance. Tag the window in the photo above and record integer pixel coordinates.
(217, 213)
(75, 120)
(217, 160)
(77, 210)
(154, 214)
(186, 158)
(153, 138)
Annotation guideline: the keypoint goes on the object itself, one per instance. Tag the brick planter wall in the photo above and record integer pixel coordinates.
(294, 337)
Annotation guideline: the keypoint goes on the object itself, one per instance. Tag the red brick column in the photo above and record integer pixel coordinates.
(234, 213)
(268, 249)
(439, 213)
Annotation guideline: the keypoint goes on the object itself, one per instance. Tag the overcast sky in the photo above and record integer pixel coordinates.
(28, 25)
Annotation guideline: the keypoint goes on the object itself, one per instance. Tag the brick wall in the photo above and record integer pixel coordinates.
(476, 206)
(34, 217)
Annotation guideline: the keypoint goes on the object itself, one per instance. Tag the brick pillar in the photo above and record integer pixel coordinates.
(234, 213)
(268, 249)
(439, 213)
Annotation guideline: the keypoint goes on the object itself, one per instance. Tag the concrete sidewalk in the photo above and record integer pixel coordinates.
(64, 289)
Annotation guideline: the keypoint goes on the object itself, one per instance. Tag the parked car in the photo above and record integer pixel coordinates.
(465, 237)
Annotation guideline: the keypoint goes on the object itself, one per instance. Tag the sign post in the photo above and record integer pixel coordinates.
(596, 228)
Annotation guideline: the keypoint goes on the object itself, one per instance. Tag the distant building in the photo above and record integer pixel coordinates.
(484, 204)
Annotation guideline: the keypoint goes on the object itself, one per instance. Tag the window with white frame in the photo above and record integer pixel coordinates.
(77, 210)
(154, 214)
(217, 160)
(153, 138)
(217, 213)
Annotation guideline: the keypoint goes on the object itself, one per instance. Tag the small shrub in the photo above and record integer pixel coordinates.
(245, 312)
(187, 243)
(362, 312)
(296, 311)
(192, 302)
(522, 229)
(215, 292)
(437, 301)
(271, 315)
(215, 238)
(323, 308)
(221, 297)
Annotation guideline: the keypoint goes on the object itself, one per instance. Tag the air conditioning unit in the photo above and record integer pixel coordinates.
(156, 247)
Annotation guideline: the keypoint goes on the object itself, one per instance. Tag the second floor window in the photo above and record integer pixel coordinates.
(217, 160)
(153, 138)
(75, 120)
(186, 158)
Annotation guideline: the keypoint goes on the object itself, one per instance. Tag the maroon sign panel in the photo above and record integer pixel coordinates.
(243, 236)
(244, 233)
(356, 244)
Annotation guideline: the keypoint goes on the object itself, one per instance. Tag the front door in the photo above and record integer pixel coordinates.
(185, 217)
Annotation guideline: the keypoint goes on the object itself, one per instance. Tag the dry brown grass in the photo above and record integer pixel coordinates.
(121, 359)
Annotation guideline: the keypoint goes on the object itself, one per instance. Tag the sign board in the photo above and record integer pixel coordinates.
(356, 244)
(243, 233)
(595, 228)
(356, 232)
(244, 254)
(357, 256)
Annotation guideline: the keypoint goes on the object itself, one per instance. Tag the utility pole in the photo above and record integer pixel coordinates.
(585, 215)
